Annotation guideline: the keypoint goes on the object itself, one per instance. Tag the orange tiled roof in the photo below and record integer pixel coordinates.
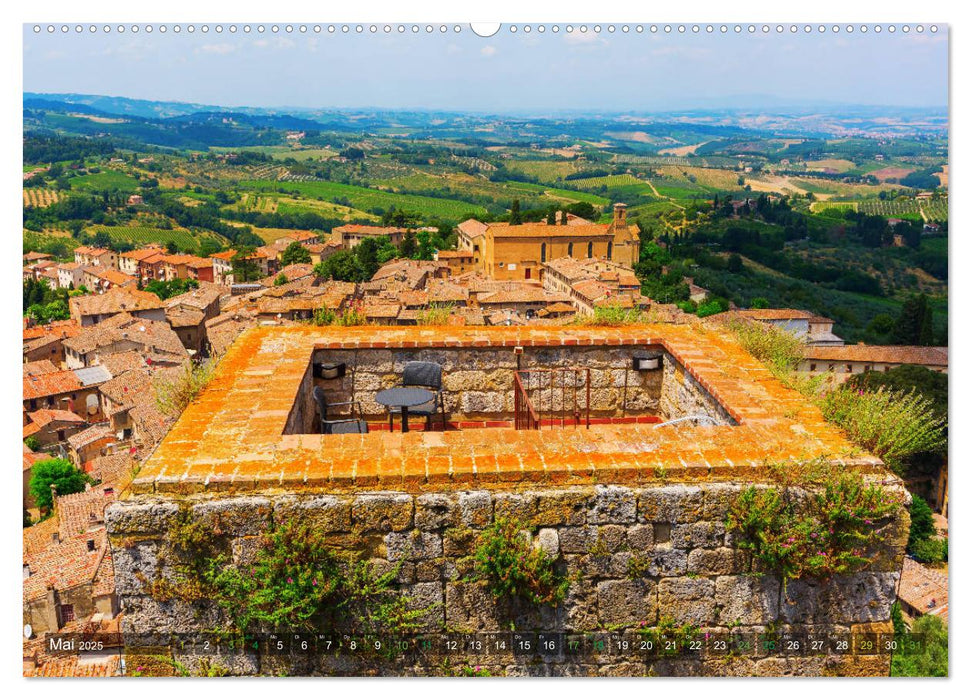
(141, 253)
(363, 229)
(214, 446)
(885, 354)
(923, 588)
(775, 314)
(35, 369)
(51, 384)
(61, 329)
(115, 300)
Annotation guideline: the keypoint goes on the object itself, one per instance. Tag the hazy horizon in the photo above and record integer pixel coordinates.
(505, 74)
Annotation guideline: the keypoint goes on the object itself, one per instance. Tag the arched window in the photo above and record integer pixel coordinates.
(610, 250)
(542, 253)
(590, 249)
(569, 249)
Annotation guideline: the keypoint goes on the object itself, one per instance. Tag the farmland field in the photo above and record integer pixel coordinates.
(40, 197)
(544, 170)
(141, 235)
(281, 152)
(105, 180)
(371, 200)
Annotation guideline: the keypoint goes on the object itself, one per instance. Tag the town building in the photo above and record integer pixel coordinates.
(91, 309)
(351, 235)
(811, 329)
(847, 360)
(86, 255)
(505, 251)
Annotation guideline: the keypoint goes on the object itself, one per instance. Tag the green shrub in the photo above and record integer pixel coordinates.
(174, 393)
(60, 473)
(827, 534)
(610, 315)
(777, 349)
(932, 658)
(929, 551)
(893, 425)
(435, 315)
(512, 568)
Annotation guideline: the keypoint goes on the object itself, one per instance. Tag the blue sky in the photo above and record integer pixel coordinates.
(505, 73)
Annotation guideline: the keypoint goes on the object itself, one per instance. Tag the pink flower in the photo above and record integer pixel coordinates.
(315, 582)
(289, 580)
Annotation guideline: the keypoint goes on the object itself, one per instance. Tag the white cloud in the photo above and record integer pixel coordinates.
(488, 51)
(217, 49)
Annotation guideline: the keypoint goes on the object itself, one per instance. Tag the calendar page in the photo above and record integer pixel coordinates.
(517, 349)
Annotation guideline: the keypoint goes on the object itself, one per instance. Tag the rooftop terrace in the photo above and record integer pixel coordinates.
(249, 430)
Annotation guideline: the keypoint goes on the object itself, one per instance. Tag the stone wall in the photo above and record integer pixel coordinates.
(686, 569)
(478, 383)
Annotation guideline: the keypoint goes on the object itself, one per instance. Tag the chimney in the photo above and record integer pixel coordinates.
(620, 214)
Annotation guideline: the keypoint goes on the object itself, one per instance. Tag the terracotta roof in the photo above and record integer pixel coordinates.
(51, 384)
(124, 389)
(141, 253)
(385, 311)
(79, 513)
(301, 236)
(85, 250)
(447, 254)
(152, 336)
(63, 564)
(884, 354)
(473, 228)
(59, 329)
(923, 588)
(47, 415)
(115, 300)
(201, 298)
(113, 470)
(111, 276)
(222, 330)
(775, 314)
(297, 271)
(543, 230)
(522, 296)
(365, 230)
(224, 255)
(35, 369)
(99, 431)
(119, 362)
(31, 458)
(32, 255)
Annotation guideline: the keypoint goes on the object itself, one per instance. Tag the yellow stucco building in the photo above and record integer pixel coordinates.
(507, 252)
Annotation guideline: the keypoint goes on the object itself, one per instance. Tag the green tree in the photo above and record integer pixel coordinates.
(409, 246)
(295, 254)
(760, 303)
(280, 280)
(515, 216)
(64, 476)
(921, 522)
(735, 265)
(244, 266)
(931, 659)
(915, 325)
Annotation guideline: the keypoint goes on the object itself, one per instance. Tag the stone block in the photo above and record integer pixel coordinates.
(640, 537)
(322, 513)
(136, 567)
(548, 541)
(434, 511)
(566, 507)
(671, 504)
(383, 512)
(140, 518)
(577, 540)
(516, 506)
(413, 545)
(687, 600)
(846, 599)
(475, 508)
(747, 600)
(627, 603)
(716, 562)
(248, 515)
(430, 598)
(701, 534)
(613, 504)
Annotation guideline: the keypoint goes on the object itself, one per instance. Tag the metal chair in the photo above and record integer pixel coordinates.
(338, 426)
(426, 375)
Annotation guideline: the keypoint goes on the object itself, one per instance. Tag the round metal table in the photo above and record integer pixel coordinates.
(402, 397)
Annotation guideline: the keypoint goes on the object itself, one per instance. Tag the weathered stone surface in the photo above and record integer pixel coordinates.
(247, 515)
(383, 511)
(470, 608)
(687, 600)
(436, 510)
(413, 545)
(516, 506)
(746, 600)
(613, 504)
(475, 508)
(133, 518)
(640, 537)
(577, 540)
(136, 566)
(548, 541)
(663, 562)
(702, 534)
(562, 507)
(323, 513)
(429, 597)
(847, 599)
(711, 562)
(627, 603)
(671, 504)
